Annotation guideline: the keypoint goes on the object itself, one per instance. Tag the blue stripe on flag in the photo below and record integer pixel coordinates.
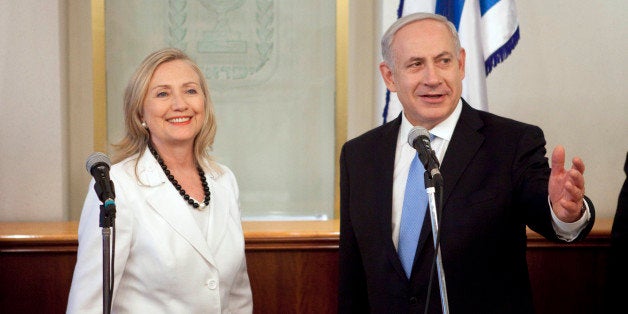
(387, 103)
(385, 111)
(451, 9)
(486, 5)
(502, 53)
(400, 9)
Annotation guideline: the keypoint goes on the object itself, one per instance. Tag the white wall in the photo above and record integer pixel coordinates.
(568, 76)
(33, 108)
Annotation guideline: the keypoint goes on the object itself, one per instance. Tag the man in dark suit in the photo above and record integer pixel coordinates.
(617, 284)
(496, 181)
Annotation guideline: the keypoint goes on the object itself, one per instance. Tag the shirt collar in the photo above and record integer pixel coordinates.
(443, 130)
(446, 128)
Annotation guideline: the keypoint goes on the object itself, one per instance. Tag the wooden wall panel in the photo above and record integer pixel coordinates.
(35, 282)
(568, 280)
(286, 281)
(293, 268)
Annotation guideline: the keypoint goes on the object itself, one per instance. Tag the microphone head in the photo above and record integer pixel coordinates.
(97, 158)
(417, 132)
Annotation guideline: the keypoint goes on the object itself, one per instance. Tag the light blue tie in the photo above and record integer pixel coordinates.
(412, 214)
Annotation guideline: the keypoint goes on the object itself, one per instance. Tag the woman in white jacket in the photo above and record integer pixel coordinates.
(179, 245)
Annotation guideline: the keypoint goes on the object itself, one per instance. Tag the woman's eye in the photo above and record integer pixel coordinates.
(192, 91)
(162, 94)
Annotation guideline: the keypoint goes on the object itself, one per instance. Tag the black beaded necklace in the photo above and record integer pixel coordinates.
(176, 184)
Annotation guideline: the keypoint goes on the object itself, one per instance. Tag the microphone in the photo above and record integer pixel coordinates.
(419, 139)
(98, 165)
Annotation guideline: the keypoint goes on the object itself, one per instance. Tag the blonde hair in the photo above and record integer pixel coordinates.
(136, 137)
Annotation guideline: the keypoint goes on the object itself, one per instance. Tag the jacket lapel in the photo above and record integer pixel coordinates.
(165, 200)
(219, 207)
(388, 146)
(385, 173)
(464, 144)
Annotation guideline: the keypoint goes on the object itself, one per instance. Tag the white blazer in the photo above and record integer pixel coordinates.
(163, 262)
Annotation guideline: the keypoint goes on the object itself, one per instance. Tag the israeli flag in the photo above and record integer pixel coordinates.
(488, 31)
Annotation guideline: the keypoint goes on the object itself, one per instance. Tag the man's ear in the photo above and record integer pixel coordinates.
(387, 75)
(461, 60)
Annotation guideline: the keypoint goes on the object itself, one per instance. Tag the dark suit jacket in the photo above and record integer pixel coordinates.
(495, 183)
(617, 288)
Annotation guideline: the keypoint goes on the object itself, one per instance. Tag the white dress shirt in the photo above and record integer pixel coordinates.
(443, 132)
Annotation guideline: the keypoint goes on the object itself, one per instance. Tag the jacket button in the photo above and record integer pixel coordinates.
(413, 300)
(212, 284)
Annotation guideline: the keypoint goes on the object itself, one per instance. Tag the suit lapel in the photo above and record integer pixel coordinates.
(385, 172)
(164, 199)
(464, 144)
(386, 158)
(219, 210)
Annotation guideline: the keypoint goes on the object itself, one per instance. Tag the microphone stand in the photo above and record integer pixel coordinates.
(107, 223)
(433, 180)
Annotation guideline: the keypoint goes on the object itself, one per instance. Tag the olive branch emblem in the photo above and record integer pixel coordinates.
(263, 42)
(176, 23)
